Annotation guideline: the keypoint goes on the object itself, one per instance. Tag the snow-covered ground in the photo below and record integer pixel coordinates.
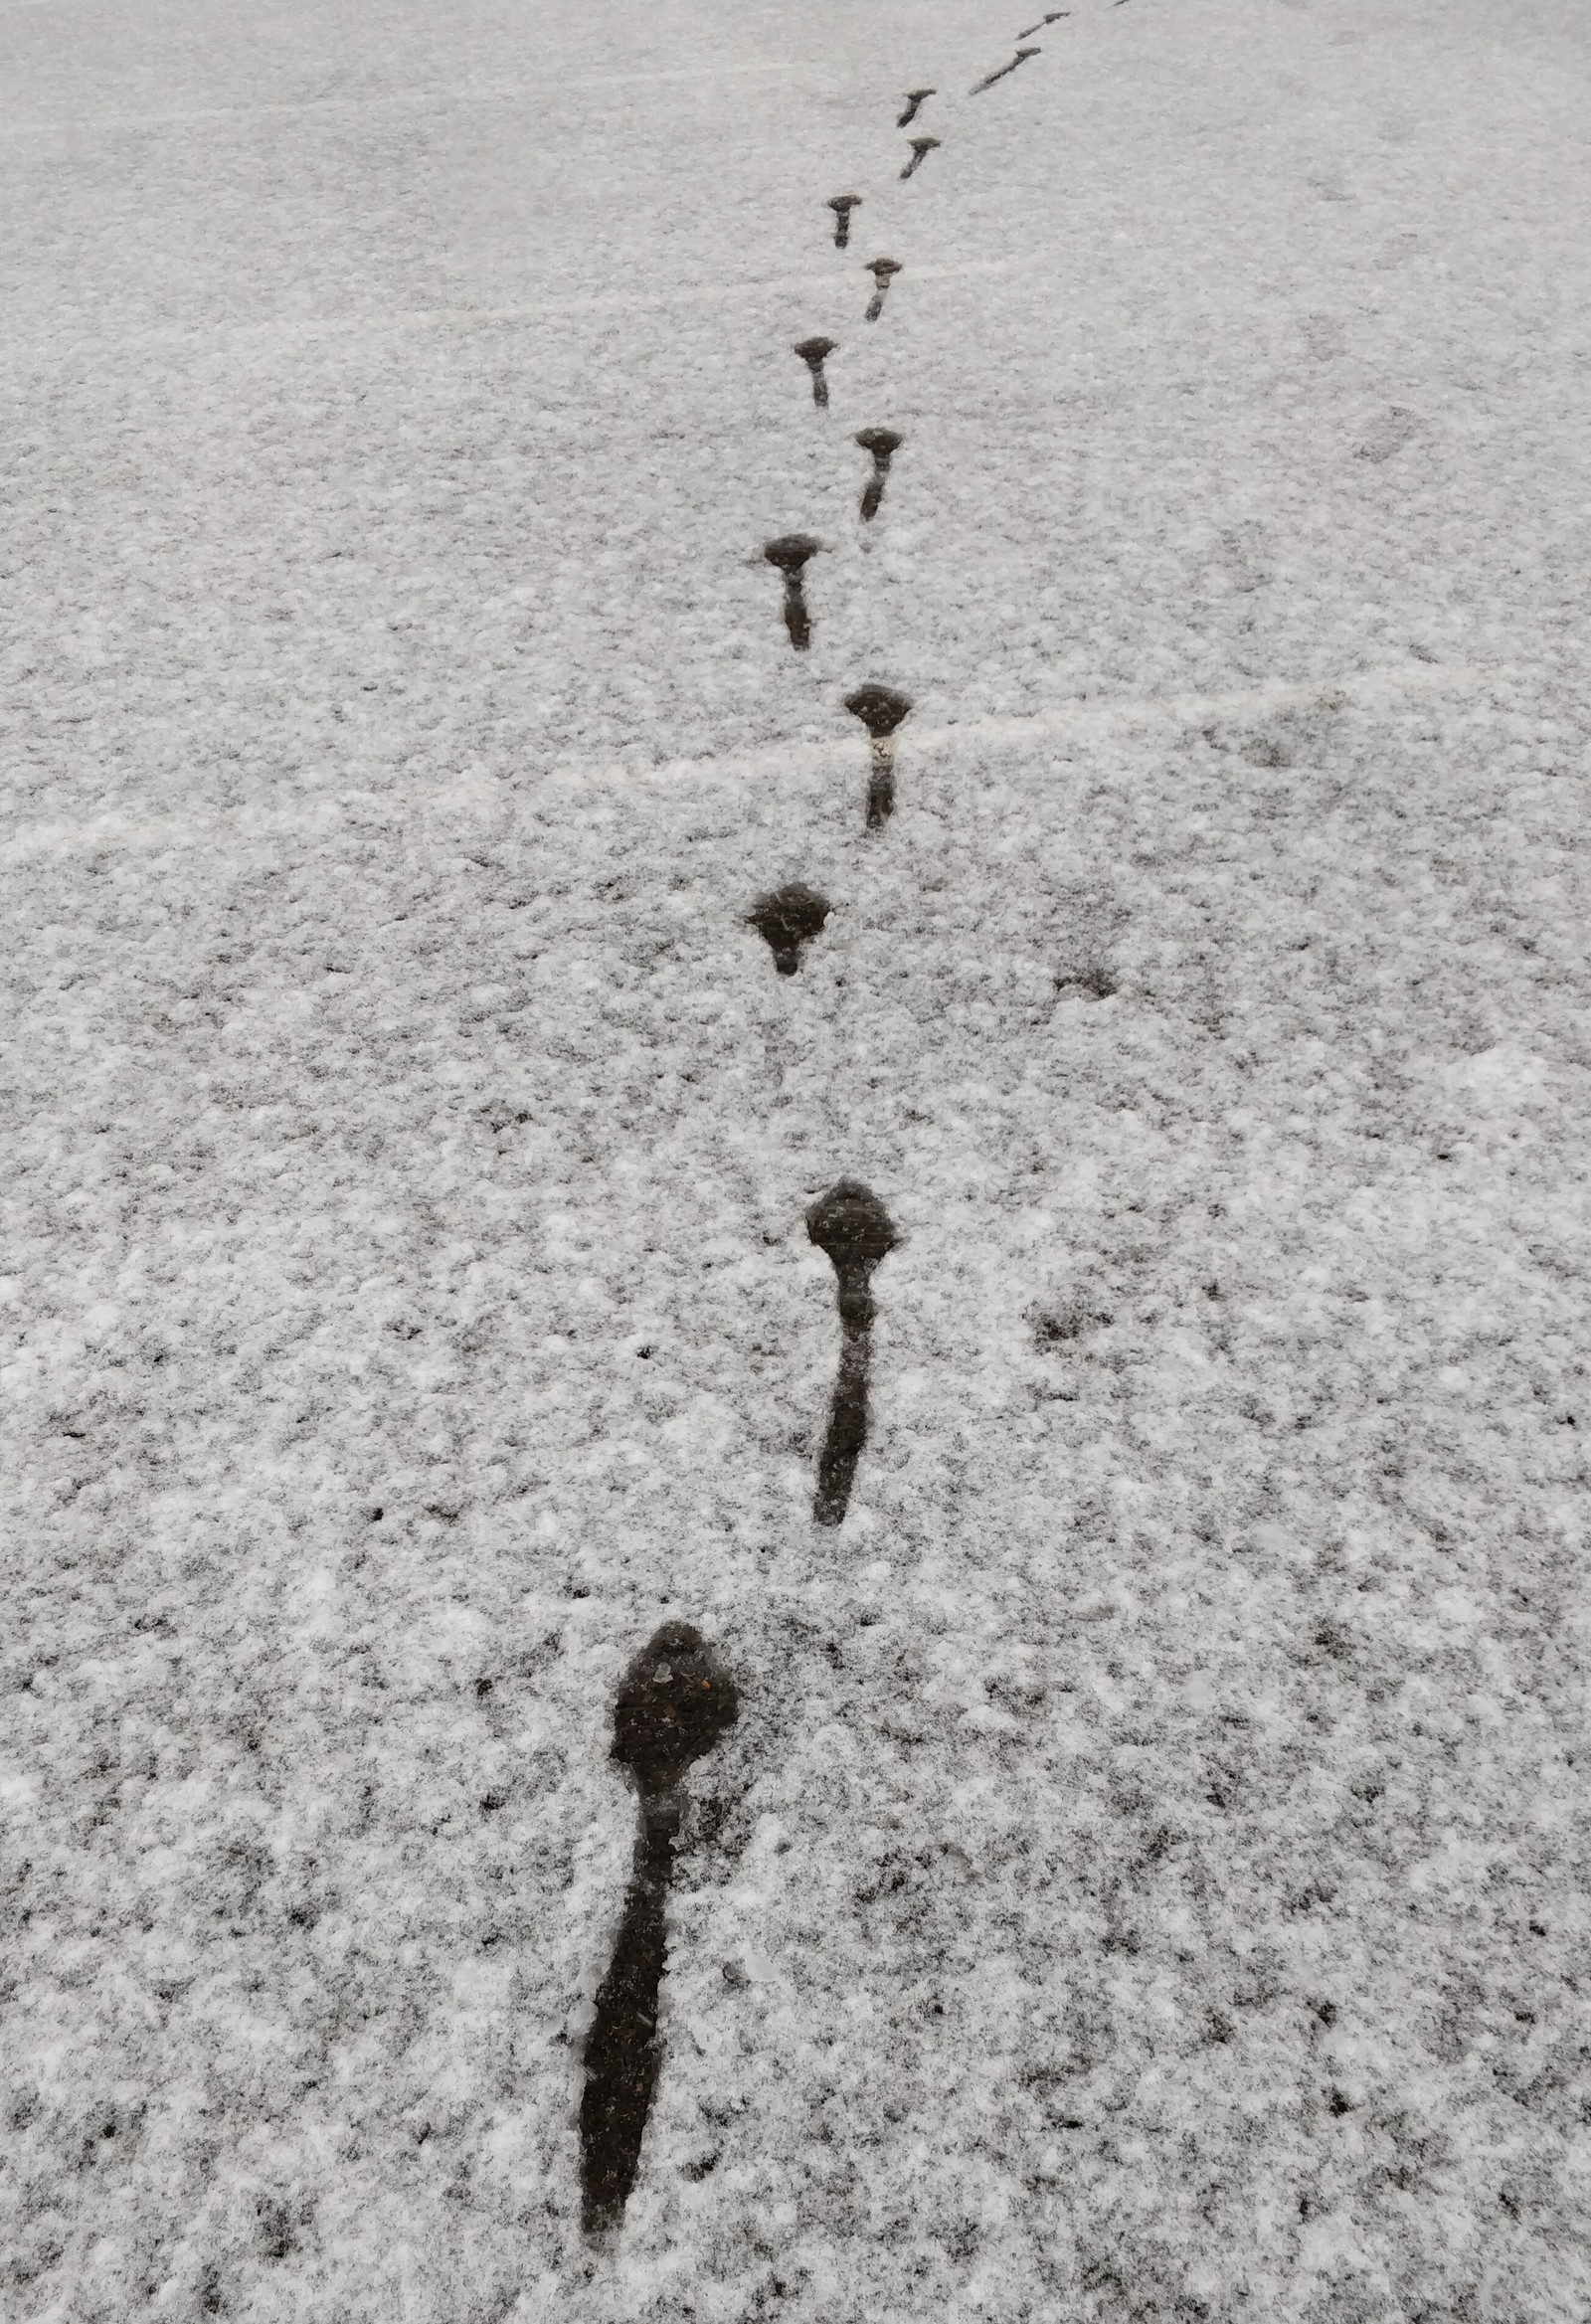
(1147, 1879)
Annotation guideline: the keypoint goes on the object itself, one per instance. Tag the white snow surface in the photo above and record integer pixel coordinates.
(1148, 1880)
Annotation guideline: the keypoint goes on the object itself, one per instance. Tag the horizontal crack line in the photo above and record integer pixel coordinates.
(1022, 729)
(479, 798)
(392, 100)
(24, 354)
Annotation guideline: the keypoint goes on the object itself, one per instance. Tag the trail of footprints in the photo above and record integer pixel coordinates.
(677, 1698)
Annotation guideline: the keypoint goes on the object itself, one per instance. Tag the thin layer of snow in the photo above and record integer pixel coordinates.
(1147, 1879)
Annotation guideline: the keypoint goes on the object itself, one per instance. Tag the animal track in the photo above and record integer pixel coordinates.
(851, 1225)
(922, 148)
(815, 353)
(790, 553)
(1020, 58)
(842, 205)
(916, 99)
(673, 1703)
(883, 443)
(1054, 17)
(883, 271)
(786, 920)
(880, 710)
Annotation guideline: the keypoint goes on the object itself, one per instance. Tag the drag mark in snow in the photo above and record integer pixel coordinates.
(922, 148)
(851, 1225)
(815, 353)
(842, 205)
(914, 99)
(789, 554)
(988, 81)
(883, 443)
(882, 270)
(674, 1702)
(880, 710)
(787, 920)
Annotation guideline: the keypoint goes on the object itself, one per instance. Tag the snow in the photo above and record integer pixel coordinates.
(1148, 1878)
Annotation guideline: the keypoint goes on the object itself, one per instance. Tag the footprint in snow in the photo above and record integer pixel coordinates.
(851, 1225)
(787, 920)
(880, 709)
(675, 1700)
(989, 79)
(842, 205)
(815, 353)
(790, 553)
(883, 443)
(883, 271)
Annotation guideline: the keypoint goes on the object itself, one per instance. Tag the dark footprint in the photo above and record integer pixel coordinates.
(1054, 17)
(882, 270)
(851, 1225)
(922, 148)
(914, 99)
(790, 553)
(883, 443)
(674, 1702)
(813, 353)
(880, 710)
(1020, 58)
(787, 921)
(842, 205)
